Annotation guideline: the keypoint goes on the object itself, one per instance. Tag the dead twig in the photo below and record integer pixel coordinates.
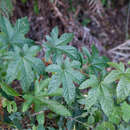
(58, 13)
(121, 52)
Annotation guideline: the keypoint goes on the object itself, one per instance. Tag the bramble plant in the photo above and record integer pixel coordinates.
(75, 91)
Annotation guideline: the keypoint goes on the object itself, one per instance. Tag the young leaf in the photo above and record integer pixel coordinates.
(96, 63)
(57, 46)
(55, 32)
(87, 53)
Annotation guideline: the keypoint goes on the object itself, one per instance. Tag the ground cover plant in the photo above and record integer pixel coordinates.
(67, 89)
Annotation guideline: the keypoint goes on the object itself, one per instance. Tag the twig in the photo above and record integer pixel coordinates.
(122, 50)
(120, 46)
(59, 14)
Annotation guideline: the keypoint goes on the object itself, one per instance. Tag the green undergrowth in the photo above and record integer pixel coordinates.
(67, 89)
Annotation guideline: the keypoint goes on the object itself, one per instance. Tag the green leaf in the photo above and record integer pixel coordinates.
(65, 74)
(91, 120)
(32, 51)
(92, 82)
(24, 67)
(65, 38)
(24, 1)
(68, 88)
(115, 116)
(119, 67)
(6, 27)
(36, 64)
(55, 32)
(22, 25)
(106, 100)
(69, 50)
(8, 90)
(95, 51)
(112, 76)
(75, 64)
(35, 7)
(54, 83)
(53, 68)
(44, 83)
(126, 111)
(87, 53)
(96, 63)
(40, 118)
(57, 46)
(91, 98)
(58, 92)
(76, 75)
(11, 105)
(105, 126)
(123, 89)
(14, 35)
(6, 7)
(40, 127)
(56, 107)
(27, 103)
(82, 101)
